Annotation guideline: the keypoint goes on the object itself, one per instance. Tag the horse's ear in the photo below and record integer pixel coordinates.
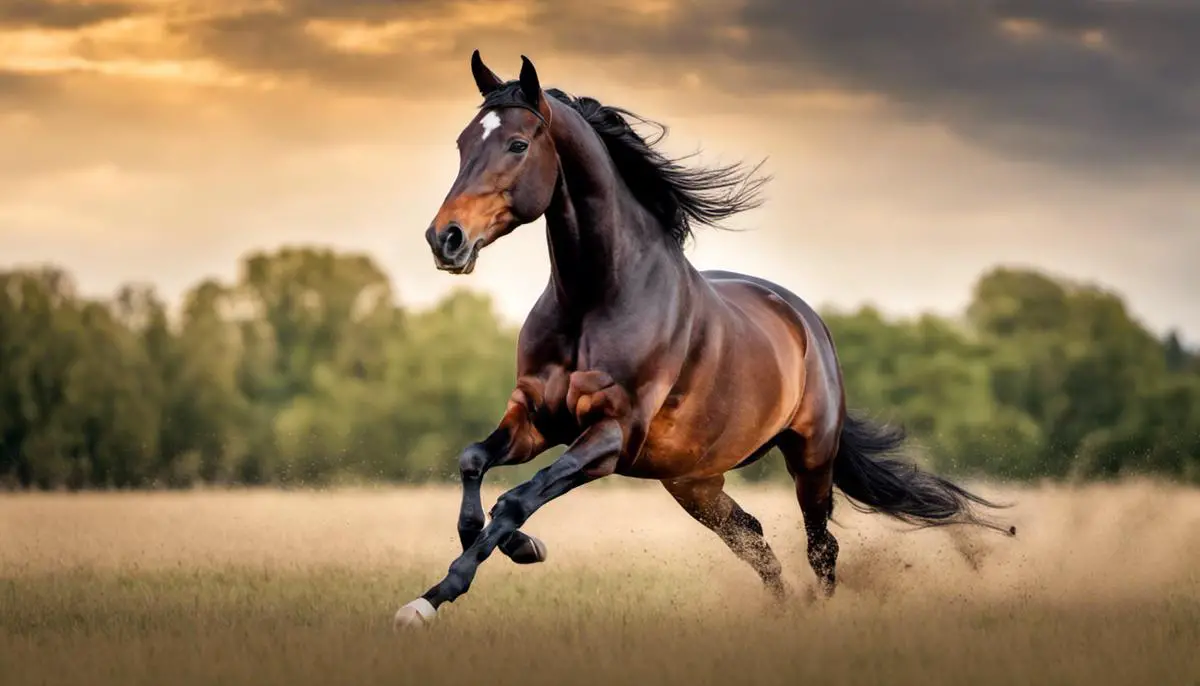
(532, 89)
(485, 80)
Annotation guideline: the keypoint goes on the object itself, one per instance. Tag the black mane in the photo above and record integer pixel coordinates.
(676, 195)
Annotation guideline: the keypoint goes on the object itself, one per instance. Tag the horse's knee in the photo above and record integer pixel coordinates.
(473, 461)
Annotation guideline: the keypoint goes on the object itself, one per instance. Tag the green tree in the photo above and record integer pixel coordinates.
(1067, 355)
(306, 371)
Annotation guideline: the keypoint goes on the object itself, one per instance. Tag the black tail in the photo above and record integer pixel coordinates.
(874, 481)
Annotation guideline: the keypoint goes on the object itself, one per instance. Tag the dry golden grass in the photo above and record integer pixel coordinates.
(1101, 586)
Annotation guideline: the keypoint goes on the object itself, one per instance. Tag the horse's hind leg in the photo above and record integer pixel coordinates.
(810, 462)
(706, 501)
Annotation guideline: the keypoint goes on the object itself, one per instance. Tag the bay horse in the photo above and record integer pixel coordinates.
(642, 365)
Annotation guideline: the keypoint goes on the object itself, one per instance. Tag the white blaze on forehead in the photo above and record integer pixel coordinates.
(490, 122)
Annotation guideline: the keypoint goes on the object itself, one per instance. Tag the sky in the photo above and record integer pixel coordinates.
(913, 143)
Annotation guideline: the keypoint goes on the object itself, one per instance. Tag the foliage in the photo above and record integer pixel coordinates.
(306, 371)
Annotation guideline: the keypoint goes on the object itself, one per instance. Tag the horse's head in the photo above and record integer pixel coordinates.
(507, 169)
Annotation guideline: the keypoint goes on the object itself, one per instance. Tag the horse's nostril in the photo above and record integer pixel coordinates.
(454, 239)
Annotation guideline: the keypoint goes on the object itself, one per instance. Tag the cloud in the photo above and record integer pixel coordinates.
(45, 14)
(370, 10)
(1101, 88)
(14, 82)
(1106, 82)
(387, 47)
(1083, 82)
(1074, 82)
(282, 44)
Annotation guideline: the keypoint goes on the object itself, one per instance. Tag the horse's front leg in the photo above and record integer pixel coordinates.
(592, 456)
(515, 441)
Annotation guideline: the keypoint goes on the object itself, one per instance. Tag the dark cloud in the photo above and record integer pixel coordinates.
(363, 10)
(267, 41)
(1113, 83)
(59, 15)
(1105, 85)
(278, 42)
(17, 88)
(12, 82)
(1098, 81)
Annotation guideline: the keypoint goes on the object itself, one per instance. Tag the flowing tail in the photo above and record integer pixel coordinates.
(868, 473)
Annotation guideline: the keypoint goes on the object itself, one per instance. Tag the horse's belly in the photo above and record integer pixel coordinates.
(733, 405)
(680, 443)
(672, 449)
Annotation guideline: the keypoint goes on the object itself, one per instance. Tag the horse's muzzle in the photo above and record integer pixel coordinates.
(452, 251)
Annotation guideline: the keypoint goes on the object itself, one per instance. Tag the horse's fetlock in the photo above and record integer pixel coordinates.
(511, 507)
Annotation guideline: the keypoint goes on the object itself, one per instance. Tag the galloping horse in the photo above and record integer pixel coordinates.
(642, 365)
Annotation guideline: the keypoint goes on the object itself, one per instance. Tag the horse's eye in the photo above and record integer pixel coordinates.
(518, 146)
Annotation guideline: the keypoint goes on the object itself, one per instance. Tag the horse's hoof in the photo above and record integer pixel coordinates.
(529, 552)
(415, 615)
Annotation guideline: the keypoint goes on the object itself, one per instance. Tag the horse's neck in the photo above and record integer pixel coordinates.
(601, 242)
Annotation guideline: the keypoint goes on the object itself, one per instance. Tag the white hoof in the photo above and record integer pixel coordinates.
(414, 615)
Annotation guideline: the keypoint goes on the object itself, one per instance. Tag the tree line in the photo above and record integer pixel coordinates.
(308, 371)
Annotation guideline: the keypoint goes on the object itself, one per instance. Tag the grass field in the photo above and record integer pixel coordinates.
(1101, 586)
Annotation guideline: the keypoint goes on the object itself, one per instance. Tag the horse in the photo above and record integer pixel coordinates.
(643, 366)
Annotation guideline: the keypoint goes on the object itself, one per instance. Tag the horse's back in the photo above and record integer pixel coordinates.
(824, 398)
(812, 320)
